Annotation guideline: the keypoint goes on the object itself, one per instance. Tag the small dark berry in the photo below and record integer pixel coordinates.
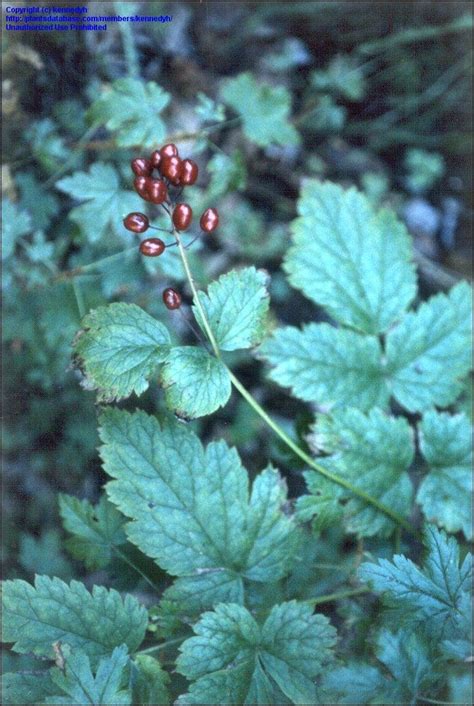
(152, 247)
(189, 172)
(171, 168)
(169, 151)
(182, 216)
(141, 166)
(155, 159)
(172, 298)
(136, 222)
(157, 191)
(209, 220)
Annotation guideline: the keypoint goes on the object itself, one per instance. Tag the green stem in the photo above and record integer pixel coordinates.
(129, 49)
(398, 519)
(94, 265)
(79, 298)
(329, 597)
(70, 160)
(163, 646)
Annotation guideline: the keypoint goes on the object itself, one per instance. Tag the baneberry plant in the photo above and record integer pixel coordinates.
(246, 566)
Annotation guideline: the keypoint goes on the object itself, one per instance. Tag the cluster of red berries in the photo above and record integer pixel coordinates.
(153, 178)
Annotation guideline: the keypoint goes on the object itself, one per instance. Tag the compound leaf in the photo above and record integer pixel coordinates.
(79, 685)
(236, 306)
(434, 595)
(190, 506)
(195, 382)
(428, 353)
(445, 493)
(34, 617)
(132, 109)
(106, 202)
(27, 687)
(233, 660)
(119, 348)
(373, 452)
(327, 366)
(96, 530)
(355, 263)
(265, 110)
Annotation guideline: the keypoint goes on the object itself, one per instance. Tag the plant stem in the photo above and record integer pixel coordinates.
(94, 265)
(79, 298)
(329, 597)
(163, 646)
(398, 519)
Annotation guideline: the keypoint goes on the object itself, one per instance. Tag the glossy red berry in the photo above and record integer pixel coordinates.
(136, 222)
(157, 191)
(189, 172)
(141, 166)
(155, 159)
(209, 220)
(171, 168)
(169, 150)
(182, 216)
(172, 298)
(141, 184)
(152, 247)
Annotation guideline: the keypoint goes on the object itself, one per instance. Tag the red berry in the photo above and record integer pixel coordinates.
(155, 159)
(189, 172)
(157, 191)
(171, 168)
(152, 247)
(172, 298)
(209, 220)
(141, 166)
(182, 216)
(169, 151)
(136, 222)
(141, 184)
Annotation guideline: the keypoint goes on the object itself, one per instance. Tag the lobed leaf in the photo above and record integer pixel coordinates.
(96, 530)
(445, 493)
(434, 595)
(149, 682)
(233, 660)
(106, 202)
(132, 109)
(119, 349)
(353, 262)
(236, 307)
(190, 506)
(34, 617)
(265, 110)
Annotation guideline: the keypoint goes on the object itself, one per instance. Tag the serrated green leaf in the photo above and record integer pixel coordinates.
(373, 452)
(445, 493)
(228, 174)
(429, 352)
(15, 224)
(190, 508)
(327, 366)
(132, 109)
(323, 505)
(149, 682)
(350, 260)
(189, 596)
(79, 686)
(195, 382)
(119, 349)
(106, 202)
(34, 617)
(341, 76)
(96, 530)
(431, 596)
(265, 110)
(42, 204)
(408, 672)
(234, 661)
(236, 306)
(26, 687)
